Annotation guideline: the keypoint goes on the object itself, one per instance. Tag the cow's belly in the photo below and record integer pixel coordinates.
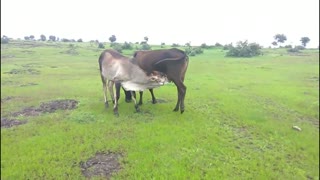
(133, 86)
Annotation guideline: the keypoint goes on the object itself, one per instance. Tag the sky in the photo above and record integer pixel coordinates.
(168, 21)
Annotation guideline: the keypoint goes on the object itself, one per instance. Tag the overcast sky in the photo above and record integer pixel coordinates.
(169, 21)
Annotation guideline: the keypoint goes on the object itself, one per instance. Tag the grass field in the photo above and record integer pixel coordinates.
(237, 122)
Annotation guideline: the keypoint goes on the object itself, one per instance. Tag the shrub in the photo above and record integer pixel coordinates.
(127, 46)
(4, 40)
(192, 51)
(244, 49)
(288, 46)
(228, 46)
(117, 47)
(101, 45)
(145, 47)
(175, 45)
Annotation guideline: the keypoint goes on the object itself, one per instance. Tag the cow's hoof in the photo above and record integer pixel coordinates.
(106, 104)
(182, 111)
(154, 102)
(140, 103)
(116, 114)
(176, 109)
(128, 100)
(137, 108)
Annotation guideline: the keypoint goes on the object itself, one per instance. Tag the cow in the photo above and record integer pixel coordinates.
(116, 68)
(172, 62)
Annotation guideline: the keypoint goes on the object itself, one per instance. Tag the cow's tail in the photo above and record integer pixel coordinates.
(184, 57)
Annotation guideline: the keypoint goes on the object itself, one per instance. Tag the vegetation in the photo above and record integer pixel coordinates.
(304, 41)
(4, 39)
(112, 39)
(244, 49)
(237, 124)
(280, 38)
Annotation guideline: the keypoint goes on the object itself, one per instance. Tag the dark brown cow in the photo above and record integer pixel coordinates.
(172, 62)
(116, 68)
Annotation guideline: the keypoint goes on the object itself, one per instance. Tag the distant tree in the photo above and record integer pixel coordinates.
(204, 45)
(145, 47)
(31, 37)
(280, 38)
(188, 44)
(304, 41)
(4, 40)
(146, 38)
(218, 45)
(101, 45)
(43, 37)
(136, 42)
(52, 38)
(288, 46)
(162, 44)
(274, 43)
(127, 46)
(79, 40)
(26, 38)
(175, 45)
(112, 38)
(58, 38)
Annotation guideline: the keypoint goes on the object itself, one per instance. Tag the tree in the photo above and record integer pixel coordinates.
(146, 38)
(280, 38)
(304, 41)
(26, 38)
(162, 44)
(274, 43)
(244, 49)
(31, 37)
(188, 44)
(112, 38)
(52, 38)
(4, 39)
(43, 37)
(79, 40)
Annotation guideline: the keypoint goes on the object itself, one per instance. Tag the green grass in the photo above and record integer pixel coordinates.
(237, 122)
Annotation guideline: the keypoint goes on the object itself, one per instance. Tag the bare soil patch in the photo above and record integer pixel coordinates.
(8, 123)
(7, 56)
(24, 71)
(102, 164)
(28, 84)
(8, 98)
(52, 106)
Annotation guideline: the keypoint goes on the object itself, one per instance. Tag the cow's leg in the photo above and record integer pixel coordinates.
(136, 106)
(178, 101)
(114, 99)
(181, 88)
(118, 87)
(110, 87)
(128, 95)
(104, 85)
(140, 98)
(154, 100)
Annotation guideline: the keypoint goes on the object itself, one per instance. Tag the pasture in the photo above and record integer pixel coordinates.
(237, 124)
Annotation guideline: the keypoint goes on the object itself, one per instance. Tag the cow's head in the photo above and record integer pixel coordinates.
(158, 77)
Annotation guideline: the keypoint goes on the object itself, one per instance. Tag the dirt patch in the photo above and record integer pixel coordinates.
(49, 107)
(28, 84)
(28, 51)
(103, 164)
(71, 52)
(8, 98)
(8, 123)
(7, 56)
(24, 71)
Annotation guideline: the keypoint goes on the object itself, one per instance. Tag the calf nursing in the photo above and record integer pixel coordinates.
(116, 68)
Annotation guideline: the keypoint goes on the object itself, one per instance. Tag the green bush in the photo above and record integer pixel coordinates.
(101, 46)
(145, 47)
(244, 49)
(127, 46)
(192, 51)
(117, 47)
